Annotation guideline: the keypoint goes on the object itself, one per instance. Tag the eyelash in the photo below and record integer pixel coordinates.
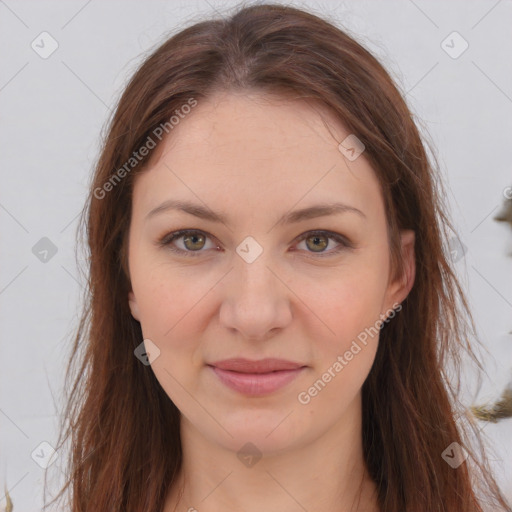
(167, 240)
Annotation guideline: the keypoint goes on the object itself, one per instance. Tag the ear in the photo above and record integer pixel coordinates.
(133, 306)
(399, 288)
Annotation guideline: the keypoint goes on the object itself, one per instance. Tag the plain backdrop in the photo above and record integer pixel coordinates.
(53, 108)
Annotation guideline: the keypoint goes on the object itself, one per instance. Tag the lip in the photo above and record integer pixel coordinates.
(242, 365)
(256, 378)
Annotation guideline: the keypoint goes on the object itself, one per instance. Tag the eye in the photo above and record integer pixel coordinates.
(320, 241)
(194, 240)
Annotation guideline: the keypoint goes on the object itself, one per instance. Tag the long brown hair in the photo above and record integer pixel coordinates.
(125, 448)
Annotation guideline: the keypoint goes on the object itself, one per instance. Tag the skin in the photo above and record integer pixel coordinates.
(254, 158)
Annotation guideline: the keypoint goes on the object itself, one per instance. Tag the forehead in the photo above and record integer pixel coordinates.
(258, 128)
(246, 150)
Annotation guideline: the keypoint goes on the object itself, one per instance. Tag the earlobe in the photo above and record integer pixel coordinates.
(134, 308)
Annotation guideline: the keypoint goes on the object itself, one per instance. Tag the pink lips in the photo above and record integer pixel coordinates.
(256, 377)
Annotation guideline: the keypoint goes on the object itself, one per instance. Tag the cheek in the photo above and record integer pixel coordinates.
(344, 353)
(167, 295)
(347, 352)
(172, 312)
(348, 300)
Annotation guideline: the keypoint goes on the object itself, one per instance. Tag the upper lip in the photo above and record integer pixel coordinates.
(243, 365)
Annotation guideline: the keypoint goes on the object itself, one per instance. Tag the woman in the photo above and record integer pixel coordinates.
(270, 307)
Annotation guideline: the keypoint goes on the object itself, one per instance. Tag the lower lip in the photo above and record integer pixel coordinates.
(256, 384)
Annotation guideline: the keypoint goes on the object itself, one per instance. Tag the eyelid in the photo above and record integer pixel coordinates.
(344, 243)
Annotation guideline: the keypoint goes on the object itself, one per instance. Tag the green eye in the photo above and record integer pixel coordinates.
(193, 241)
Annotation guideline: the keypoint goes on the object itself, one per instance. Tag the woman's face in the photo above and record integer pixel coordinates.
(266, 282)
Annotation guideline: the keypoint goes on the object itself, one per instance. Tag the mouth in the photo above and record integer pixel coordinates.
(242, 365)
(256, 378)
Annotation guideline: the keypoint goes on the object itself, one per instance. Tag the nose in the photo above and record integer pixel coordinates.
(255, 299)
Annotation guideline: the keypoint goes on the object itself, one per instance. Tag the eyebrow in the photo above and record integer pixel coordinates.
(311, 212)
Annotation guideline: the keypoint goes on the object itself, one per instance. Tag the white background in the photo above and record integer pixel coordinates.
(52, 113)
